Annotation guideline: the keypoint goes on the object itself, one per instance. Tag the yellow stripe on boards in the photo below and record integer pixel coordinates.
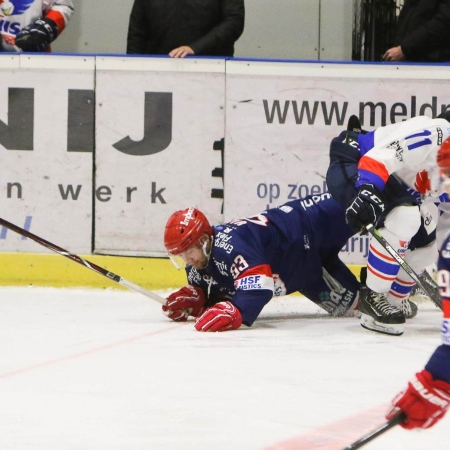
(24, 269)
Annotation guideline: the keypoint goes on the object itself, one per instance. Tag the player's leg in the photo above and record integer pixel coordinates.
(342, 172)
(336, 292)
(418, 259)
(400, 225)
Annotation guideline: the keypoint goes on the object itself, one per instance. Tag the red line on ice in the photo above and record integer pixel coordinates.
(82, 354)
(337, 435)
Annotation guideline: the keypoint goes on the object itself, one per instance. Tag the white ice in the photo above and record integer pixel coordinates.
(106, 370)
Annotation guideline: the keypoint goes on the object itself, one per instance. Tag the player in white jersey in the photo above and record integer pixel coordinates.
(31, 25)
(406, 151)
(427, 397)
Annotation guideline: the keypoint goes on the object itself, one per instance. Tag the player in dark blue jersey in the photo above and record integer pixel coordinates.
(236, 268)
(427, 397)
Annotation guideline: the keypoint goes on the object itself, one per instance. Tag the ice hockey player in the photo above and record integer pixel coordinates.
(427, 398)
(235, 269)
(370, 172)
(31, 25)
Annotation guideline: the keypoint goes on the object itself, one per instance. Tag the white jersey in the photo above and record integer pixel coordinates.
(403, 149)
(17, 14)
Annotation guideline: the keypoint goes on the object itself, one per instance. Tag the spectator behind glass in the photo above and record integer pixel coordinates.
(185, 27)
(423, 32)
(31, 25)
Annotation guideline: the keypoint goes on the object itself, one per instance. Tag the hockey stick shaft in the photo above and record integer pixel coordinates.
(375, 433)
(84, 262)
(430, 287)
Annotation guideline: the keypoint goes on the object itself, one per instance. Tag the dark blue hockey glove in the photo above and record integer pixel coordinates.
(37, 36)
(367, 207)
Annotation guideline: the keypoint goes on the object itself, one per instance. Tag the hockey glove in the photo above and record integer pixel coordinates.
(367, 207)
(188, 301)
(425, 401)
(37, 36)
(222, 316)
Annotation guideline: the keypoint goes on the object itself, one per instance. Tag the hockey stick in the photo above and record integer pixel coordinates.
(375, 433)
(428, 285)
(90, 265)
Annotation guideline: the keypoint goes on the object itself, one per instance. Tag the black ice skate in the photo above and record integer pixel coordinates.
(409, 308)
(378, 315)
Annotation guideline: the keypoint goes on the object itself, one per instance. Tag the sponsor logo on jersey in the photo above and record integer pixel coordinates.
(314, 200)
(446, 332)
(193, 276)
(403, 247)
(222, 267)
(440, 136)
(16, 7)
(223, 240)
(398, 150)
(249, 283)
(252, 282)
(9, 27)
(210, 280)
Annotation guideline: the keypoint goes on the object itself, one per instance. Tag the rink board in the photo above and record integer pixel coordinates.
(98, 159)
(24, 269)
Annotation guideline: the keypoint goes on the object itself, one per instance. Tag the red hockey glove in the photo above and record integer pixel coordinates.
(188, 301)
(222, 316)
(425, 401)
(422, 183)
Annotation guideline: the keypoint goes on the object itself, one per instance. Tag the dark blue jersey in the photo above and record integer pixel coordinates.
(291, 248)
(439, 363)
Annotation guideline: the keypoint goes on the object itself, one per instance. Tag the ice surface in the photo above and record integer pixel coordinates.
(106, 370)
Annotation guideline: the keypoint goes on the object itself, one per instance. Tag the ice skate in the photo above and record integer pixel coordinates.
(409, 308)
(377, 314)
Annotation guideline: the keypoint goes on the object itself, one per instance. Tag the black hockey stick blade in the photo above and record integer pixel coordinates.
(400, 417)
(428, 285)
(84, 262)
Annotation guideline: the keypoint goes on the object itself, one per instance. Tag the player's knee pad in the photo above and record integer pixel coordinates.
(403, 222)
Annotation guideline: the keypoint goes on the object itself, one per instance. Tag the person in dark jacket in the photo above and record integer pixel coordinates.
(423, 32)
(185, 27)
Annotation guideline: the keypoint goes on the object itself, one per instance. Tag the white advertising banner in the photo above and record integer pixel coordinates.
(165, 130)
(282, 116)
(46, 148)
(159, 147)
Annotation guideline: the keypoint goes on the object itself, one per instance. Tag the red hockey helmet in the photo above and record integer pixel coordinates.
(443, 157)
(184, 229)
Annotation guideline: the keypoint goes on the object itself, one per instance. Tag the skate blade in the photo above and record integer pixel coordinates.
(369, 323)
